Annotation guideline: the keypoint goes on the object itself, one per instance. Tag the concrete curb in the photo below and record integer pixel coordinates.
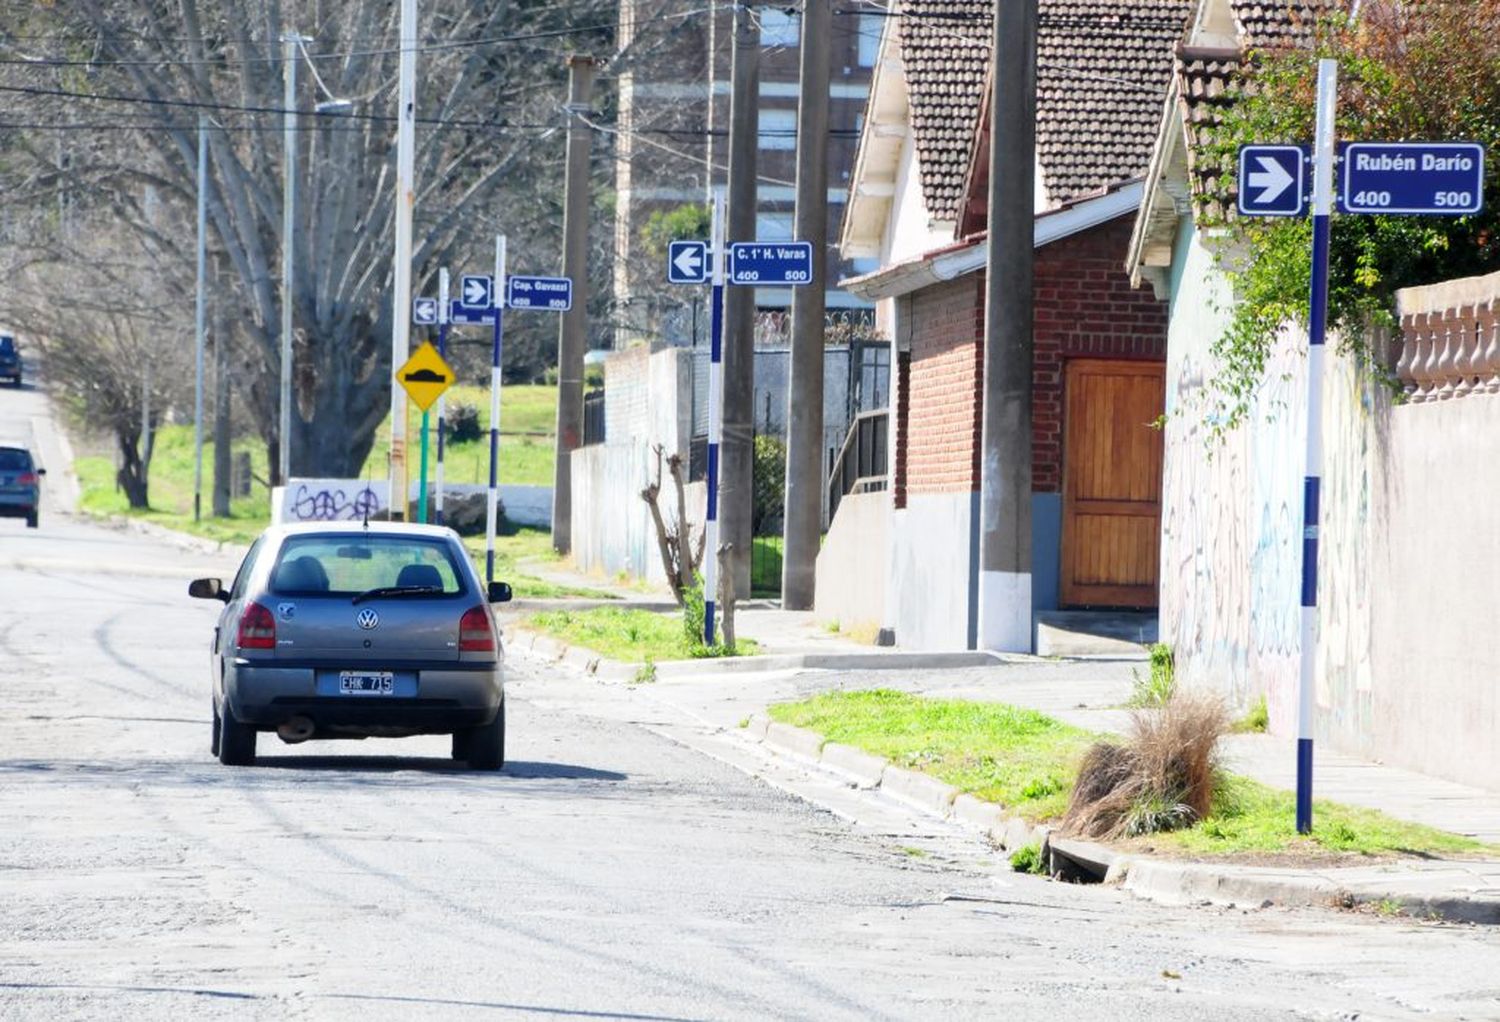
(544, 647)
(666, 670)
(795, 741)
(1411, 892)
(920, 790)
(182, 540)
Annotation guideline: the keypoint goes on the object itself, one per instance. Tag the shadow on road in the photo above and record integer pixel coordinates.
(392, 764)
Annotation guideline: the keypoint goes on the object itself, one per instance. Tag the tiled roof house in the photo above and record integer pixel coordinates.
(917, 204)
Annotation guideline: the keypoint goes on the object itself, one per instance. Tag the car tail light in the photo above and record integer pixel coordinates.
(474, 633)
(257, 628)
(26, 479)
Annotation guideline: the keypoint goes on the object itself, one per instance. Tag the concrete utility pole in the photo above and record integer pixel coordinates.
(406, 124)
(223, 439)
(1004, 606)
(736, 465)
(289, 41)
(803, 517)
(572, 332)
(198, 311)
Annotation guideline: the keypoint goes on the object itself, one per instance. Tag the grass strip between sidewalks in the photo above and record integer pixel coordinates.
(628, 634)
(1027, 762)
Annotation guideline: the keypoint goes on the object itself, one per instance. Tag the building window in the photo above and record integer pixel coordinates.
(777, 28)
(778, 129)
(870, 27)
(773, 227)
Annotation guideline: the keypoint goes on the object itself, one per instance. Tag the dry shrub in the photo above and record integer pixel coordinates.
(1161, 778)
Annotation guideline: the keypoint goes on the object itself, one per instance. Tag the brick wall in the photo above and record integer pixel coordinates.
(943, 411)
(1084, 308)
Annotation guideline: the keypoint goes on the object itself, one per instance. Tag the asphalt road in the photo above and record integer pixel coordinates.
(626, 864)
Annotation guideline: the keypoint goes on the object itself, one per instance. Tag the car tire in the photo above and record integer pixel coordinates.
(31, 520)
(461, 742)
(486, 745)
(213, 743)
(236, 740)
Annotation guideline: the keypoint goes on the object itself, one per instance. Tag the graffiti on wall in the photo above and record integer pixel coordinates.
(332, 500)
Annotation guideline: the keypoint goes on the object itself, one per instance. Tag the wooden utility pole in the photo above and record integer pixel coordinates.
(572, 335)
(803, 515)
(736, 465)
(1002, 618)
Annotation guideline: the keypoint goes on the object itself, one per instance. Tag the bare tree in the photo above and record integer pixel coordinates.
(490, 85)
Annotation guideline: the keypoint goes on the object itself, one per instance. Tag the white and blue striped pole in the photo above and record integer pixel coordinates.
(492, 499)
(716, 254)
(442, 402)
(1317, 325)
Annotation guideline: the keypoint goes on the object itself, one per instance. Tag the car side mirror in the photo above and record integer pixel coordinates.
(208, 589)
(41, 471)
(499, 592)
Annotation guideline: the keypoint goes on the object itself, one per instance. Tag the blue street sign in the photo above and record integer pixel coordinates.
(1433, 178)
(1272, 181)
(476, 291)
(461, 315)
(554, 293)
(687, 262)
(771, 263)
(424, 311)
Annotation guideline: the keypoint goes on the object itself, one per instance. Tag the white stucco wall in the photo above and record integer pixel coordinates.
(1409, 548)
(931, 584)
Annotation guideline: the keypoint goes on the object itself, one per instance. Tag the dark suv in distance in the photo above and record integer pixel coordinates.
(10, 360)
(20, 485)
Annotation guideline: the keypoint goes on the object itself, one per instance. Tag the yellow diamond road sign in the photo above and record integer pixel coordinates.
(425, 376)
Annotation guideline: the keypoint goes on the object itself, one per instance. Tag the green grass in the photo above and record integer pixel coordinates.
(628, 634)
(515, 544)
(526, 459)
(1020, 758)
(1251, 817)
(765, 566)
(1027, 762)
(1256, 721)
(171, 489)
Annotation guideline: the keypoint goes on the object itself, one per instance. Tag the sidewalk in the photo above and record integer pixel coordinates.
(722, 695)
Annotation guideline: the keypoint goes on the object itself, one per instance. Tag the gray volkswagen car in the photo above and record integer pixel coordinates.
(350, 630)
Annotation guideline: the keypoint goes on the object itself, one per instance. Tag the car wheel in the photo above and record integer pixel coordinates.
(461, 744)
(31, 520)
(486, 749)
(213, 742)
(236, 740)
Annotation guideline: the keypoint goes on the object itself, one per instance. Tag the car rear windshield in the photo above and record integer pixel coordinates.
(7, 345)
(350, 564)
(14, 460)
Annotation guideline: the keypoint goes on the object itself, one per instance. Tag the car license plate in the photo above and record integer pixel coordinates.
(366, 683)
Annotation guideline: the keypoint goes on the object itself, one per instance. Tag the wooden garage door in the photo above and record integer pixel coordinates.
(1111, 483)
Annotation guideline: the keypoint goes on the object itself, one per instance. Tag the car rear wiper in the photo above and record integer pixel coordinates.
(370, 594)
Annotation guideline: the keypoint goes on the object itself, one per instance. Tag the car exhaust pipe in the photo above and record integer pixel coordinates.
(298, 729)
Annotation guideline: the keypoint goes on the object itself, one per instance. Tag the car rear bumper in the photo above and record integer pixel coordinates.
(16, 504)
(433, 700)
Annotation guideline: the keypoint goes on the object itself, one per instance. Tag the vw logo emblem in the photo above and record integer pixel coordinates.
(367, 618)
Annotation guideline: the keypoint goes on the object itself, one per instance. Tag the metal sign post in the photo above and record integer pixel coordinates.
(442, 311)
(715, 417)
(1317, 325)
(1388, 178)
(491, 504)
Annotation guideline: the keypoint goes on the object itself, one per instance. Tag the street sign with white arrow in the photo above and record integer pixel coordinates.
(424, 311)
(687, 262)
(1272, 181)
(477, 291)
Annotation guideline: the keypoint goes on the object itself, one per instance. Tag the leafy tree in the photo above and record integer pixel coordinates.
(1426, 71)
